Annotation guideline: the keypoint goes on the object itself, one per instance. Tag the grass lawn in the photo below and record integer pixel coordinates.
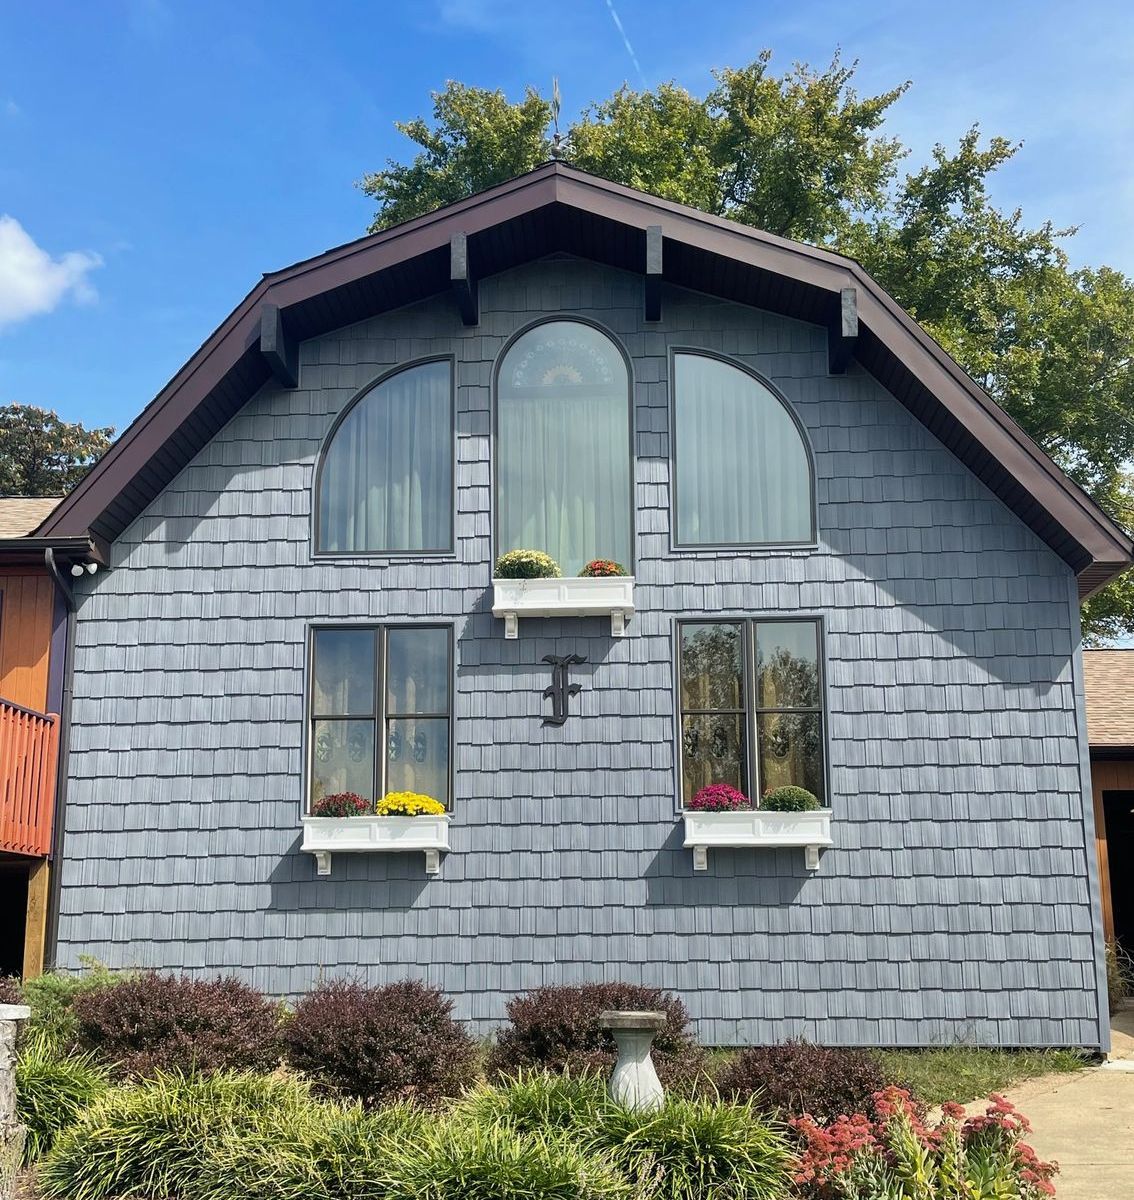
(965, 1073)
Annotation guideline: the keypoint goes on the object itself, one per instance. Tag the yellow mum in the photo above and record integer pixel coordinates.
(408, 804)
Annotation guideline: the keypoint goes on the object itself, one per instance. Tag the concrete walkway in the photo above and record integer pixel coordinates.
(1085, 1122)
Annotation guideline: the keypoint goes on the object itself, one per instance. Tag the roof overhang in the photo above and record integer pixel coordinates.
(30, 551)
(557, 209)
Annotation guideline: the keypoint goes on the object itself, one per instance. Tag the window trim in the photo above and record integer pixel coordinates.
(675, 545)
(381, 629)
(750, 620)
(631, 415)
(447, 552)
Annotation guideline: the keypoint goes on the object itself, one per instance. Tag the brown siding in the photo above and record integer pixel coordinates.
(1107, 776)
(26, 605)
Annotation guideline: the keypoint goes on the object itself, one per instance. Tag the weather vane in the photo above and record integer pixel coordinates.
(558, 140)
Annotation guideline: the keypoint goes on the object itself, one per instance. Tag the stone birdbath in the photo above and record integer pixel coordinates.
(634, 1083)
(12, 1133)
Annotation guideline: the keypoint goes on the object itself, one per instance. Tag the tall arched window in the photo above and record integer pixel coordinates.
(385, 484)
(563, 446)
(742, 467)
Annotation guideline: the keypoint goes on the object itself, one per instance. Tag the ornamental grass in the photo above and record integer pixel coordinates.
(53, 1088)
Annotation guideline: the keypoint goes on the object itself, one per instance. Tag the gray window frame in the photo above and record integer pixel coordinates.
(546, 319)
(676, 545)
(381, 716)
(447, 552)
(749, 621)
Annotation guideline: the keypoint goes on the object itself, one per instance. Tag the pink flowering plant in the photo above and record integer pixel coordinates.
(718, 797)
(341, 804)
(893, 1153)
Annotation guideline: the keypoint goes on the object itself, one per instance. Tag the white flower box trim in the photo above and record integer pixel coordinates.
(755, 827)
(610, 595)
(324, 836)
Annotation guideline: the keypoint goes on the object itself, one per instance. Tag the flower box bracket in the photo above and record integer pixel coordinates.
(810, 831)
(603, 596)
(327, 836)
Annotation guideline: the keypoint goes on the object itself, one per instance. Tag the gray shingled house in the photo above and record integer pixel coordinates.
(849, 570)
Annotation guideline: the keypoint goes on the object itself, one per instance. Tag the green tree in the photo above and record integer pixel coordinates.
(804, 156)
(42, 455)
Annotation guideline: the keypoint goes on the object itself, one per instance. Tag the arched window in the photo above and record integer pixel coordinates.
(385, 485)
(563, 446)
(743, 471)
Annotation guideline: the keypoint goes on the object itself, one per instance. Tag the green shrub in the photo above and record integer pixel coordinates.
(558, 1029)
(789, 799)
(52, 1090)
(526, 564)
(467, 1160)
(536, 1102)
(50, 997)
(1119, 976)
(153, 1022)
(695, 1150)
(155, 1138)
(797, 1077)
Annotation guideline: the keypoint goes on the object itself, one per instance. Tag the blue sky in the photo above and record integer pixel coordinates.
(157, 156)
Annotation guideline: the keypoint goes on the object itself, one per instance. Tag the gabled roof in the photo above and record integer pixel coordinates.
(19, 515)
(556, 208)
(1108, 676)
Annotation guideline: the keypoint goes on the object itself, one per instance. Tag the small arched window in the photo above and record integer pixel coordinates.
(563, 446)
(742, 467)
(385, 485)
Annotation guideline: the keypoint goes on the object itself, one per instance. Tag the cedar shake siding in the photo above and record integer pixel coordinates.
(959, 900)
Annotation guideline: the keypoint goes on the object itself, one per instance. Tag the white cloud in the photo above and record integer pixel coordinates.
(32, 282)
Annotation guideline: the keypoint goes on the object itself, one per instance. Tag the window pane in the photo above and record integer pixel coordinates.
(790, 751)
(344, 673)
(342, 759)
(387, 476)
(563, 450)
(787, 665)
(418, 757)
(743, 475)
(417, 671)
(712, 666)
(712, 751)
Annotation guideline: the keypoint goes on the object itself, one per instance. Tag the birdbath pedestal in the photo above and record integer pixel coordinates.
(634, 1083)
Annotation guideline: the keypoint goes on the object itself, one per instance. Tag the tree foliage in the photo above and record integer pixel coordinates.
(42, 455)
(802, 155)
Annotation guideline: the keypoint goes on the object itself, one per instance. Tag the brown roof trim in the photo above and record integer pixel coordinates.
(556, 207)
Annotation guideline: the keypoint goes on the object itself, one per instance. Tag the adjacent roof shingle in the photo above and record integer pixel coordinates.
(1109, 679)
(20, 515)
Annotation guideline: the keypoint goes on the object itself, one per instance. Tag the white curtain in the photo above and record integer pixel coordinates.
(563, 451)
(387, 480)
(743, 474)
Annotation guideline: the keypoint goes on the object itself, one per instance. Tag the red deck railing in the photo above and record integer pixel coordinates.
(29, 750)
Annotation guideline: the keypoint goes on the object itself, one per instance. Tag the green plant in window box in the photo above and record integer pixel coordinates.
(408, 804)
(602, 568)
(526, 564)
(789, 799)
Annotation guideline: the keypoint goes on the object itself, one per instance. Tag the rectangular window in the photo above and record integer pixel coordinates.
(381, 711)
(751, 705)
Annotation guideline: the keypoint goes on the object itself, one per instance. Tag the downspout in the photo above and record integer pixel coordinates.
(63, 587)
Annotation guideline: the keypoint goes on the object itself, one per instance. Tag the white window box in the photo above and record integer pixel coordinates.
(754, 827)
(611, 595)
(324, 836)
